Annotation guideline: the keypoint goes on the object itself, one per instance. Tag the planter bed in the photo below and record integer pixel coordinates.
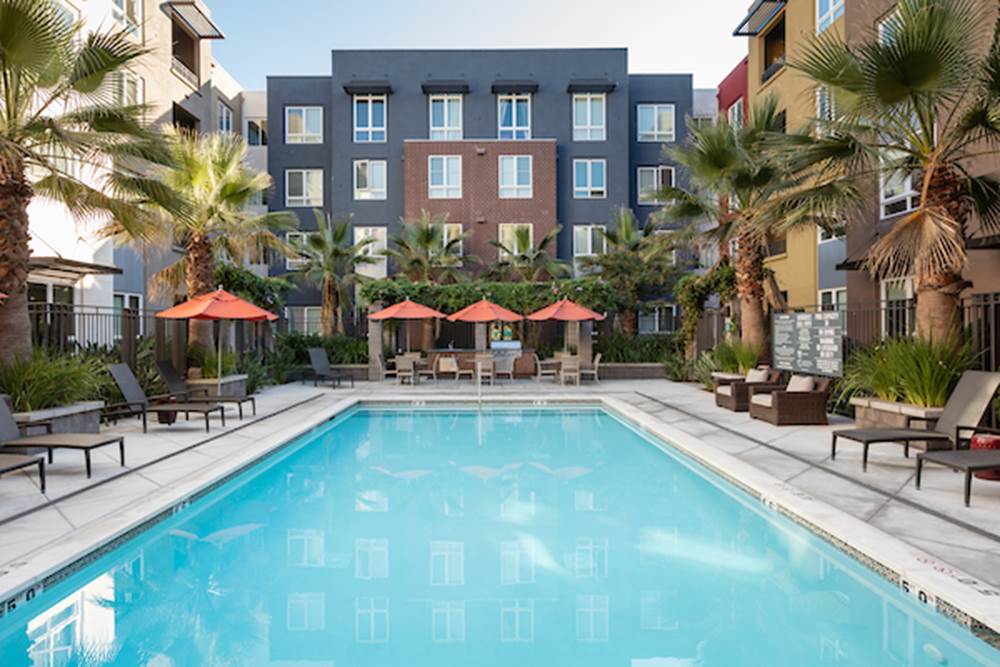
(82, 417)
(231, 385)
(876, 413)
(641, 371)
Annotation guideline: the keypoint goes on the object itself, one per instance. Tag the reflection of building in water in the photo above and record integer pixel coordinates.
(77, 620)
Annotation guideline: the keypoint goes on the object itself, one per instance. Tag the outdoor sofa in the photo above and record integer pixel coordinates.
(137, 404)
(180, 391)
(734, 394)
(801, 402)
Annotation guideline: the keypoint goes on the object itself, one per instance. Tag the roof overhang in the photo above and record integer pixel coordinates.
(60, 268)
(445, 87)
(367, 88)
(195, 19)
(760, 14)
(590, 86)
(514, 87)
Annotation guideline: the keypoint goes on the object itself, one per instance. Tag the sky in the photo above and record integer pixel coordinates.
(282, 37)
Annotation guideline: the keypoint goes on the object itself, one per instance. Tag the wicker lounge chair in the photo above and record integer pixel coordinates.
(180, 391)
(14, 462)
(592, 372)
(801, 402)
(319, 363)
(137, 404)
(965, 408)
(734, 394)
(10, 438)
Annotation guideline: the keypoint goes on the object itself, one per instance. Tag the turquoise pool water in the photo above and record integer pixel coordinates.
(450, 537)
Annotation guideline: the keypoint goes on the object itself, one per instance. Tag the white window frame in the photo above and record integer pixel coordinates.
(587, 191)
(449, 131)
(304, 137)
(909, 196)
(834, 11)
(445, 190)
(501, 254)
(516, 190)
(123, 79)
(588, 130)
(821, 236)
(448, 621)
(307, 200)
(369, 128)
(592, 613)
(376, 250)
(366, 610)
(451, 555)
(522, 629)
(370, 193)
(292, 263)
(313, 608)
(514, 129)
(225, 117)
(262, 130)
(589, 251)
(883, 23)
(658, 315)
(312, 542)
(448, 232)
(907, 284)
(309, 313)
(590, 558)
(119, 12)
(517, 562)
(658, 135)
(658, 172)
(371, 558)
(834, 293)
(734, 114)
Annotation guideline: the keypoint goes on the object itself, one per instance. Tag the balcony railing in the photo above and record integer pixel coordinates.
(777, 247)
(772, 69)
(183, 71)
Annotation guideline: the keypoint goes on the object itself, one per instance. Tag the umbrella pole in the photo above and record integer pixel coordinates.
(218, 374)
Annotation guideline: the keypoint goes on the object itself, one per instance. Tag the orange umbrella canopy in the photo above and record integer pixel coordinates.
(406, 310)
(485, 311)
(217, 305)
(565, 311)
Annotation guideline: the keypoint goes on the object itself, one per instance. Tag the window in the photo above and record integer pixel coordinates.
(303, 187)
(517, 563)
(588, 240)
(659, 320)
(655, 122)
(128, 305)
(67, 14)
(592, 618)
(448, 621)
(303, 319)
(888, 27)
(371, 620)
(515, 177)
(650, 181)
(588, 117)
(517, 621)
(225, 118)
(376, 250)
(257, 131)
(507, 235)
(826, 106)
(369, 118)
(371, 500)
(734, 115)
(126, 13)
(833, 299)
(897, 307)
(303, 125)
(304, 547)
(591, 558)
(296, 239)
(828, 11)
(824, 235)
(128, 88)
(514, 116)
(447, 563)
(452, 231)
(371, 558)
(306, 612)
(445, 180)
(369, 179)
(774, 50)
(896, 193)
(590, 501)
(446, 117)
(588, 179)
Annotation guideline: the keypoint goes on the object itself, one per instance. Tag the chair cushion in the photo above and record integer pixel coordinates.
(757, 375)
(801, 383)
(761, 399)
(724, 389)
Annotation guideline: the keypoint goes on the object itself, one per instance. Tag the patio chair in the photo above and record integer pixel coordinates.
(734, 394)
(448, 365)
(968, 461)
(484, 366)
(384, 371)
(544, 369)
(14, 462)
(424, 370)
(11, 438)
(569, 370)
(504, 365)
(592, 372)
(801, 402)
(971, 398)
(180, 391)
(137, 404)
(321, 370)
(406, 369)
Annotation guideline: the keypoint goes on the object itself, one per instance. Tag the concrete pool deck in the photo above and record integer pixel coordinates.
(167, 465)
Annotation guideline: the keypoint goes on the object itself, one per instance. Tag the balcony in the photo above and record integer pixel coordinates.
(772, 69)
(182, 70)
(777, 247)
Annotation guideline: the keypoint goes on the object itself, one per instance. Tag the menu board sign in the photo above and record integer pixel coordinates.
(808, 343)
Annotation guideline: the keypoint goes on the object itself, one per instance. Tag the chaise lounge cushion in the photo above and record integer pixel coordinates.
(762, 399)
(799, 383)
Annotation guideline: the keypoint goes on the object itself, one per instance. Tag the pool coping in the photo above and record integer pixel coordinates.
(955, 594)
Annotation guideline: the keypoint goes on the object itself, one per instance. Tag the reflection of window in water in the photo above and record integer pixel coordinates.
(589, 501)
(447, 563)
(448, 621)
(515, 504)
(305, 486)
(651, 616)
(371, 558)
(454, 504)
(371, 620)
(371, 500)
(55, 636)
(897, 632)
(591, 558)
(657, 546)
(517, 563)
(306, 611)
(305, 547)
(517, 621)
(592, 618)
(135, 570)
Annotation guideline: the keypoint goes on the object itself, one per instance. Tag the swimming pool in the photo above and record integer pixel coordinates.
(460, 537)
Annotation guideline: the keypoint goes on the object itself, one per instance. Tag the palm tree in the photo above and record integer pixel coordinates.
(918, 102)
(329, 259)
(211, 221)
(424, 252)
(522, 260)
(57, 103)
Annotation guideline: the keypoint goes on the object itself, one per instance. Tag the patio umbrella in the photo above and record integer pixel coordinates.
(406, 310)
(565, 311)
(485, 311)
(217, 305)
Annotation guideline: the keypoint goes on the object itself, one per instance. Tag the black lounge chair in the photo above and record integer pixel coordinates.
(965, 408)
(321, 370)
(13, 462)
(11, 438)
(968, 461)
(180, 391)
(137, 404)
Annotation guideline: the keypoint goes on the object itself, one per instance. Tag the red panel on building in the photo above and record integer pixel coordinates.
(734, 88)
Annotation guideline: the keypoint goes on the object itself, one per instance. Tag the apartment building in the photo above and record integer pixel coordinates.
(805, 260)
(495, 139)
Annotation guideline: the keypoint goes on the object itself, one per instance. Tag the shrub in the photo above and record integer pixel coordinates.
(210, 363)
(340, 349)
(735, 356)
(46, 380)
(617, 348)
(677, 367)
(145, 368)
(703, 367)
(255, 371)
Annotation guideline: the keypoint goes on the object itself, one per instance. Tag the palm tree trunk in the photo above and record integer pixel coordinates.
(630, 322)
(328, 309)
(15, 326)
(938, 310)
(749, 265)
(200, 278)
